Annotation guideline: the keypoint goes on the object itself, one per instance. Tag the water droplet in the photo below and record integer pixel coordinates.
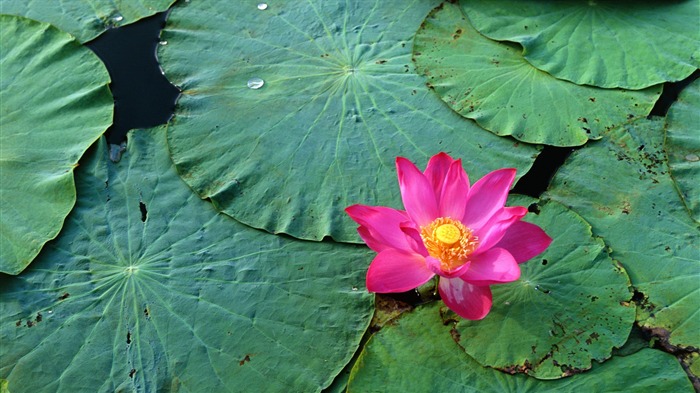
(354, 288)
(262, 6)
(50, 311)
(692, 157)
(163, 42)
(118, 18)
(115, 151)
(255, 83)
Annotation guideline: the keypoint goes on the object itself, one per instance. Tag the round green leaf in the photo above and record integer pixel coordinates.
(332, 101)
(85, 19)
(629, 44)
(54, 103)
(621, 186)
(148, 288)
(418, 354)
(682, 146)
(492, 83)
(569, 307)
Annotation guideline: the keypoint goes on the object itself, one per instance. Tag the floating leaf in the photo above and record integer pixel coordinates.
(418, 354)
(630, 44)
(290, 114)
(149, 289)
(622, 187)
(492, 83)
(570, 306)
(85, 19)
(54, 103)
(682, 146)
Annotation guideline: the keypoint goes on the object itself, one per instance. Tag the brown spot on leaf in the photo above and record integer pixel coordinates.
(128, 337)
(516, 368)
(132, 372)
(245, 359)
(64, 296)
(380, 61)
(455, 335)
(626, 207)
(591, 99)
(569, 371)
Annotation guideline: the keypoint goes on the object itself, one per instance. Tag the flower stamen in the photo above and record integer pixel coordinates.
(449, 241)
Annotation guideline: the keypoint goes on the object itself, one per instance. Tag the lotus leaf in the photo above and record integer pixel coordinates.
(491, 82)
(54, 103)
(85, 19)
(290, 114)
(419, 354)
(570, 306)
(682, 146)
(622, 187)
(148, 288)
(629, 44)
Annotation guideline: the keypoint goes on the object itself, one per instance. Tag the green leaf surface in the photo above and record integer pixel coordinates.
(682, 146)
(491, 82)
(54, 103)
(622, 187)
(339, 102)
(418, 354)
(85, 19)
(148, 288)
(569, 307)
(629, 44)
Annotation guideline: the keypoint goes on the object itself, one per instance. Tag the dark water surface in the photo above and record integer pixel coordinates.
(143, 96)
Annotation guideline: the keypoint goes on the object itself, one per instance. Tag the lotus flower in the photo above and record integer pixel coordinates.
(462, 233)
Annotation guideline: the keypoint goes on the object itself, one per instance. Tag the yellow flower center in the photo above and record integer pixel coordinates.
(449, 241)
(447, 234)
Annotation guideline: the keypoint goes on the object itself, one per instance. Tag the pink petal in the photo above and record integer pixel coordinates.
(435, 267)
(417, 193)
(382, 226)
(397, 271)
(494, 230)
(413, 238)
(370, 240)
(495, 266)
(524, 241)
(455, 191)
(436, 171)
(487, 197)
(467, 300)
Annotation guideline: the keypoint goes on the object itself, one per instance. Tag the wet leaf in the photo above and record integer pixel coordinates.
(85, 19)
(491, 82)
(149, 289)
(622, 187)
(570, 306)
(629, 44)
(54, 103)
(682, 146)
(418, 354)
(290, 114)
